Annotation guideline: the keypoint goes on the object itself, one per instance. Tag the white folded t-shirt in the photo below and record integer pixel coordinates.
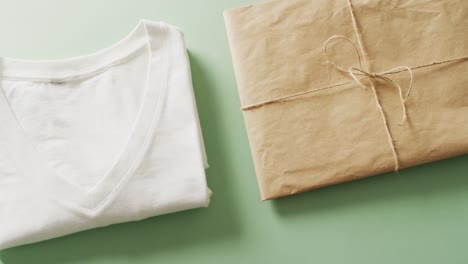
(99, 139)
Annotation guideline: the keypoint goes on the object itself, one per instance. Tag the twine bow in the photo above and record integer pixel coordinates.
(355, 72)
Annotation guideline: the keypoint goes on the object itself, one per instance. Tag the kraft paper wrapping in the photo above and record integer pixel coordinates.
(339, 134)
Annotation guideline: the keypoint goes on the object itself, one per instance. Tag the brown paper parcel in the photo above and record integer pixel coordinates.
(314, 121)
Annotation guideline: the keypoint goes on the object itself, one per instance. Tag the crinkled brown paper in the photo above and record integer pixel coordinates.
(338, 134)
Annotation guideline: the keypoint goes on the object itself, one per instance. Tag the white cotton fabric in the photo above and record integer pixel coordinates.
(99, 139)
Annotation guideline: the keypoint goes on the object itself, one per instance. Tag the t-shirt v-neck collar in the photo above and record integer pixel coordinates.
(27, 158)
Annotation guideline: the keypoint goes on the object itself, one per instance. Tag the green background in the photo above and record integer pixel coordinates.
(419, 216)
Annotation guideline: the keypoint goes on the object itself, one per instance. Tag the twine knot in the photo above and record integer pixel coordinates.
(355, 72)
